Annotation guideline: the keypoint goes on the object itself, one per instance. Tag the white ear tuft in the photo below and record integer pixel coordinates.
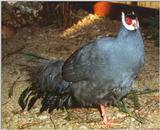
(123, 17)
(123, 14)
(133, 13)
(128, 27)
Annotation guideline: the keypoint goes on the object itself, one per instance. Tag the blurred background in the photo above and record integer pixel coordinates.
(16, 15)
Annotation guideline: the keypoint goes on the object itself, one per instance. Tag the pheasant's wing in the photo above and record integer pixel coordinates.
(77, 67)
(83, 63)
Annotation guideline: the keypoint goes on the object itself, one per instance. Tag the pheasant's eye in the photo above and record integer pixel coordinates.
(128, 20)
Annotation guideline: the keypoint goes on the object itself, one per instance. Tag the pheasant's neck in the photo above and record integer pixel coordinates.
(124, 33)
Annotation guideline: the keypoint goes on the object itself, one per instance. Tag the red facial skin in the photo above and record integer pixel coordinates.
(128, 20)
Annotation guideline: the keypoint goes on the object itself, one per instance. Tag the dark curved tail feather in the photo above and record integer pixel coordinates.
(22, 101)
(47, 83)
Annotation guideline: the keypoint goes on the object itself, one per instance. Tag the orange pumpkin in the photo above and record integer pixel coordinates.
(102, 8)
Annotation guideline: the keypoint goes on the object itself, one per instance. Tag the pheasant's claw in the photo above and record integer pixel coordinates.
(110, 123)
(107, 122)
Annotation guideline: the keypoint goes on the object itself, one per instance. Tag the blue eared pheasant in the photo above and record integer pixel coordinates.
(99, 73)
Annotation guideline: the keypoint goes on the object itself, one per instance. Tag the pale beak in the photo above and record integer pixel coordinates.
(134, 23)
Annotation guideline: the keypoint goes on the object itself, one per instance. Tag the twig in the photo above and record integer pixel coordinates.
(11, 53)
(147, 104)
(130, 114)
(53, 122)
(11, 88)
(134, 114)
(138, 116)
(33, 55)
(144, 91)
(5, 102)
(29, 124)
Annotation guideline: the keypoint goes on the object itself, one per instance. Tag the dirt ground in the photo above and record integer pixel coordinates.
(55, 43)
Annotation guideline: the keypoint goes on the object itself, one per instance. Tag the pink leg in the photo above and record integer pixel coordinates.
(103, 112)
(104, 115)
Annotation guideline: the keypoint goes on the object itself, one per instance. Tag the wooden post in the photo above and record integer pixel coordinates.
(134, 3)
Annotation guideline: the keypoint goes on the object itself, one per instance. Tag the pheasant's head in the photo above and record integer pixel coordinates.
(130, 21)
